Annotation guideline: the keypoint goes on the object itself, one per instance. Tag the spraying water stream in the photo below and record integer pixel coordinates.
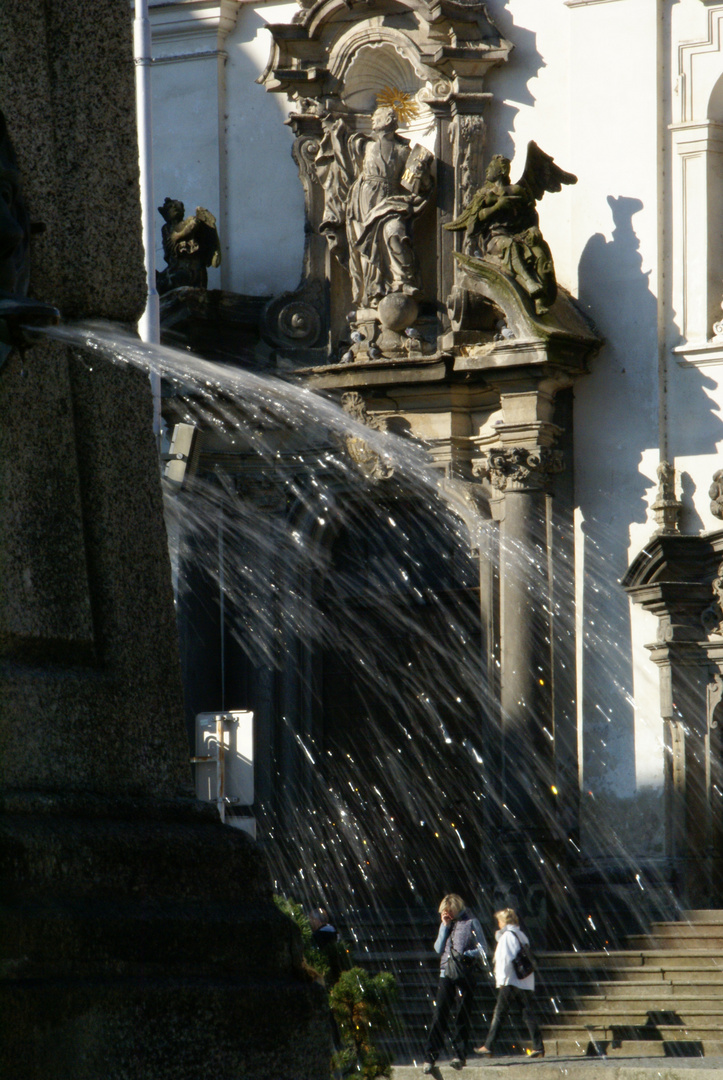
(381, 789)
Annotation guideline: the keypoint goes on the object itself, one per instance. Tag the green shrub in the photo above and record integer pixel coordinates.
(361, 1006)
(316, 962)
(360, 1003)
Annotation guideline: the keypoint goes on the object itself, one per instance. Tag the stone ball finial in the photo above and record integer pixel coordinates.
(397, 311)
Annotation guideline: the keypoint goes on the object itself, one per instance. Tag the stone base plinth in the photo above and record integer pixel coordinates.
(139, 940)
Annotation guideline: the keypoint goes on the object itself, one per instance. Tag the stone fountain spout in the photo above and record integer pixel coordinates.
(20, 318)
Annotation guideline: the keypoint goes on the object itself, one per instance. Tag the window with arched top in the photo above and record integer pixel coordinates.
(697, 183)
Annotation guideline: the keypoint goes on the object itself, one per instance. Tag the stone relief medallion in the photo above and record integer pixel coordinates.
(519, 469)
(370, 463)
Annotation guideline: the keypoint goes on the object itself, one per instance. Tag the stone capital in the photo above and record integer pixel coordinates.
(519, 468)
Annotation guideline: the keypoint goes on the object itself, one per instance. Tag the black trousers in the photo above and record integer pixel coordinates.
(511, 997)
(455, 998)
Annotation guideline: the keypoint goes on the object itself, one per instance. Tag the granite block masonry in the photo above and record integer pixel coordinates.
(138, 937)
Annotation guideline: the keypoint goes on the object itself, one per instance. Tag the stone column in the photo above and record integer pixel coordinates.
(522, 469)
(679, 579)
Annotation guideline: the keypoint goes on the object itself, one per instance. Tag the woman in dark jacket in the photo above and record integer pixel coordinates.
(460, 935)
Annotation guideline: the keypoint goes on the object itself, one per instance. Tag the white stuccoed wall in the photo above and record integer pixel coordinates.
(695, 374)
(220, 140)
(265, 197)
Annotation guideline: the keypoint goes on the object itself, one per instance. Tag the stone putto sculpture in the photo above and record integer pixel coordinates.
(502, 220)
(374, 187)
(190, 246)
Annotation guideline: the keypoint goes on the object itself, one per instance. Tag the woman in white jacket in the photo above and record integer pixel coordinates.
(512, 992)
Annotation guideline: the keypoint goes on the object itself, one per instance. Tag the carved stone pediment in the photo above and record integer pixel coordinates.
(678, 578)
(448, 44)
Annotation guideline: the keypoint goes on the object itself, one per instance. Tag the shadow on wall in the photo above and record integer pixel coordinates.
(508, 83)
(615, 423)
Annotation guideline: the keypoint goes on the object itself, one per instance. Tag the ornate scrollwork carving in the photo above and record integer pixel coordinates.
(518, 469)
(467, 137)
(299, 323)
(370, 463)
(293, 320)
(715, 696)
(715, 494)
(712, 616)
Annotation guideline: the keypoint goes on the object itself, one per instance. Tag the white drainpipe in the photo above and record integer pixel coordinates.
(149, 326)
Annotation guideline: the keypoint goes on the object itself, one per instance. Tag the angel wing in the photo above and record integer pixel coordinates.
(207, 237)
(542, 174)
(469, 213)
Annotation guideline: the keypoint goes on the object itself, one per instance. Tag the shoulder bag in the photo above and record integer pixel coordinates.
(522, 963)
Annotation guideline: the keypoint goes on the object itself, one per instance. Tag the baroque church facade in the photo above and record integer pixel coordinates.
(391, 181)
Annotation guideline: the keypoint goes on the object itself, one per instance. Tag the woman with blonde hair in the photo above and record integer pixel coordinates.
(513, 992)
(460, 943)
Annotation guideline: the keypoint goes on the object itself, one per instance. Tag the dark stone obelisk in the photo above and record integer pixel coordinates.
(138, 938)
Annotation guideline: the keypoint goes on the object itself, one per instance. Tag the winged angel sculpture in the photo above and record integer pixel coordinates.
(502, 221)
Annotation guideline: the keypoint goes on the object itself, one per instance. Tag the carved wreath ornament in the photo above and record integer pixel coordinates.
(370, 463)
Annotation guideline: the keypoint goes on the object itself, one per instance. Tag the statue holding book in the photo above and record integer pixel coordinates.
(375, 186)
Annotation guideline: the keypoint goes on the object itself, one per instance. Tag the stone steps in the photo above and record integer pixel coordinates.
(619, 1067)
(660, 996)
(628, 1032)
(559, 1046)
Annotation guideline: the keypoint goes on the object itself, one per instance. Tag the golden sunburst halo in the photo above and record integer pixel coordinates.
(403, 103)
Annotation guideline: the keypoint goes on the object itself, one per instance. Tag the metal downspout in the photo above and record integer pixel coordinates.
(149, 326)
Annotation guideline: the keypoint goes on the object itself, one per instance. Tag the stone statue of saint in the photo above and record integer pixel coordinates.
(190, 245)
(502, 219)
(375, 185)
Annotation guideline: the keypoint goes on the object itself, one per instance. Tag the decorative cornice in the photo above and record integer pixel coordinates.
(587, 3)
(198, 24)
(699, 354)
